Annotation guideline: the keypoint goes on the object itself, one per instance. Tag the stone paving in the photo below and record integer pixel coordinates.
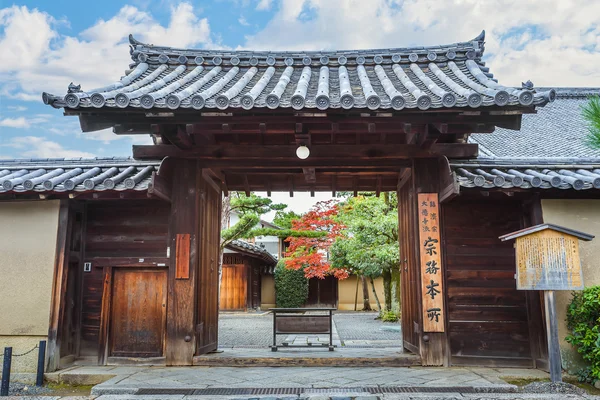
(316, 383)
(351, 329)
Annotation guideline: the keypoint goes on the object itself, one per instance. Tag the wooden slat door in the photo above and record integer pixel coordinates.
(488, 321)
(409, 273)
(138, 312)
(233, 287)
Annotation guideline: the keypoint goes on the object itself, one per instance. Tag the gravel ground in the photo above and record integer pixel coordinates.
(250, 330)
(21, 389)
(255, 330)
(552, 388)
(364, 326)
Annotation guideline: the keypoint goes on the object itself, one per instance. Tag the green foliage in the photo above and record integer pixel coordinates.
(370, 244)
(250, 209)
(291, 286)
(583, 320)
(282, 233)
(389, 316)
(283, 219)
(591, 113)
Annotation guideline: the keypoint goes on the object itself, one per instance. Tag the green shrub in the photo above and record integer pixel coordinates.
(388, 316)
(583, 320)
(291, 286)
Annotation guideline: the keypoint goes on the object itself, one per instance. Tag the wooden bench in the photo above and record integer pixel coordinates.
(301, 321)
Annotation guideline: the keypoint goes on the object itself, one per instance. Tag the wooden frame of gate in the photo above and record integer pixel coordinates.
(388, 120)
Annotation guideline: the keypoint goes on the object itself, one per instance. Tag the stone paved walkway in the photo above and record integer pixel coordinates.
(309, 383)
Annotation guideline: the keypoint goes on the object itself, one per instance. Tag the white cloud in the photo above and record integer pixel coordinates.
(20, 122)
(243, 21)
(44, 60)
(264, 5)
(551, 42)
(106, 136)
(17, 108)
(40, 147)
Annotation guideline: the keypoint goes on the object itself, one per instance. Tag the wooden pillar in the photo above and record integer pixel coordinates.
(183, 262)
(59, 287)
(432, 345)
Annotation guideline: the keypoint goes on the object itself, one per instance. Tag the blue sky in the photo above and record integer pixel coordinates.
(551, 42)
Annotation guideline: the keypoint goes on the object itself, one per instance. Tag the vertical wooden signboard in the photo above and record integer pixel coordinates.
(431, 263)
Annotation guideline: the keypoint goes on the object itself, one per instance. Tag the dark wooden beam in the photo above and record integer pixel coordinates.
(159, 187)
(208, 177)
(378, 188)
(404, 177)
(246, 186)
(322, 153)
(309, 175)
(291, 185)
(176, 134)
(431, 135)
(449, 187)
(193, 129)
(219, 177)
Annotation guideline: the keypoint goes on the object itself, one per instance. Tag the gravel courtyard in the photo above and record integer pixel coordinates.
(352, 329)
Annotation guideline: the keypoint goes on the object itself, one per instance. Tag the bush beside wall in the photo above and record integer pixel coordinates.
(291, 287)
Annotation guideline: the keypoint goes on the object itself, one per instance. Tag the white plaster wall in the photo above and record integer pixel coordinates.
(27, 247)
(584, 216)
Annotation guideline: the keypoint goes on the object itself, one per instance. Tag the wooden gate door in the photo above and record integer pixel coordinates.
(233, 287)
(138, 312)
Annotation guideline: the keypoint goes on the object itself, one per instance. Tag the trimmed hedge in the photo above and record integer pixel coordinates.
(291, 286)
(583, 320)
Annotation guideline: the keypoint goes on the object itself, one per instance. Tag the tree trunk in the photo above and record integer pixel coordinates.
(366, 302)
(396, 294)
(387, 288)
(375, 294)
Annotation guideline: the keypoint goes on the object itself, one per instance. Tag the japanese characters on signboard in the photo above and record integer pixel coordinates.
(431, 264)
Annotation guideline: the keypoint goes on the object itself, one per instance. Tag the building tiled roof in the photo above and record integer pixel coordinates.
(418, 77)
(550, 150)
(75, 175)
(252, 249)
(557, 130)
(563, 173)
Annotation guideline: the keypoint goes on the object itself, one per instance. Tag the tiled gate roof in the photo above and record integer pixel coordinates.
(75, 175)
(416, 78)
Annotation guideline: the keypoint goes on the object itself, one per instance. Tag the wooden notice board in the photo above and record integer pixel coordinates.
(548, 260)
(431, 263)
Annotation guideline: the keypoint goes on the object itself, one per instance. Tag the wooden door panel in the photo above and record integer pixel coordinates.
(138, 312)
(233, 287)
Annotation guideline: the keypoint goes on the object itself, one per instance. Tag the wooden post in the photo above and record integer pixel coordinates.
(183, 233)
(59, 287)
(552, 333)
(432, 345)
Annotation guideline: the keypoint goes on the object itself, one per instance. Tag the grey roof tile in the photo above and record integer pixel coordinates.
(557, 130)
(75, 175)
(434, 77)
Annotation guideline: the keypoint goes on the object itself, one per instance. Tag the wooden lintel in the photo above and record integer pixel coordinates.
(226, 128)
(354, 186)
(378, 187)
(159, 187)
(260, 154)
(371, 128)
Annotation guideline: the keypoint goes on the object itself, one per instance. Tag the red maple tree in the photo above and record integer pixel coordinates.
(310, 253)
